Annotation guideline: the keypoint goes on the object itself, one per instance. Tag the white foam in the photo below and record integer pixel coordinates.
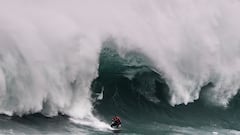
(92, 121)
(49, 49)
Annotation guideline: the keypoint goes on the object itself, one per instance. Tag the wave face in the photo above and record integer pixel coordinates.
(50, 53)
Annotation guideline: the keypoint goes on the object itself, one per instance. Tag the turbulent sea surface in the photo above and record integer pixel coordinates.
(165, 67)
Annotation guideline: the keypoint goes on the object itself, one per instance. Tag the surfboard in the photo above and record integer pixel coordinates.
(116, 130)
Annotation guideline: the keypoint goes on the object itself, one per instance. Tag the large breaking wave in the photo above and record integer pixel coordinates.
(50, 52)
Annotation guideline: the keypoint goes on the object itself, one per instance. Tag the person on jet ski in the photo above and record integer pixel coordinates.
(116, 122)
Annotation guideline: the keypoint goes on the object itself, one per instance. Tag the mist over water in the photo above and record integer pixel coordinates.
(49, 50)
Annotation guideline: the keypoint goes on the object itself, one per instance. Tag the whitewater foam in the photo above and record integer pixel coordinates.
(49, 49)
(92, 121)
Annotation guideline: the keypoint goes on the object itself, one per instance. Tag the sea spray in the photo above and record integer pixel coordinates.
(49, 49)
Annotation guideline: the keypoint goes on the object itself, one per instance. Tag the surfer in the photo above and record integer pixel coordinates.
(116, 122)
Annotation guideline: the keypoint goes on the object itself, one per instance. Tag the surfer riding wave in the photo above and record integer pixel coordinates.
(116, 122)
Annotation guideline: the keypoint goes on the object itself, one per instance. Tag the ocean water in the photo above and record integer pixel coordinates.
(165, 67)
